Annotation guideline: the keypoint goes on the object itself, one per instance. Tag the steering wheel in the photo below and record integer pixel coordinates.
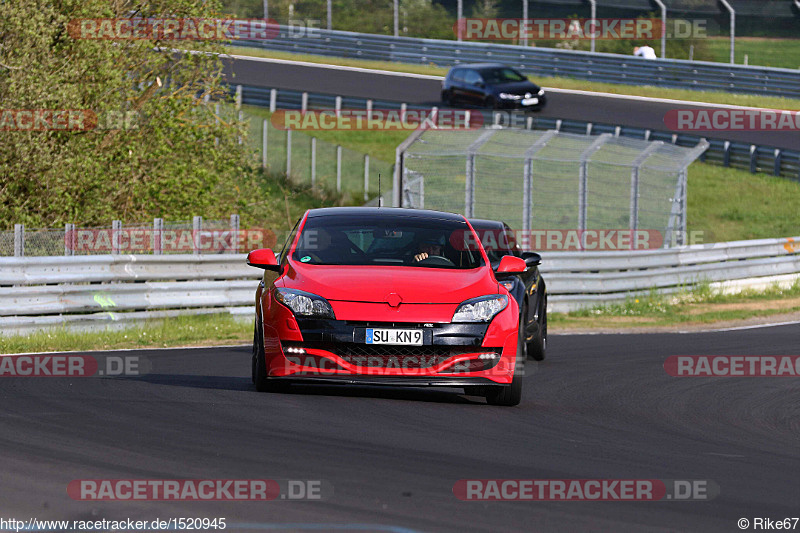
(436, 260)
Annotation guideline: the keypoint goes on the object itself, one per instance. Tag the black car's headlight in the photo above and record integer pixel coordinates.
(304, 303)
(507, 96)
(480, 309)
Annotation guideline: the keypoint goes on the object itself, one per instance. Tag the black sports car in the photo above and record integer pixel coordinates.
(528, 288)
(491, 85)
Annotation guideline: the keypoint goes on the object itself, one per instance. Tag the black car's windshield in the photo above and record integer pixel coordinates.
(502, 75)
(497, 242)
(386, 241)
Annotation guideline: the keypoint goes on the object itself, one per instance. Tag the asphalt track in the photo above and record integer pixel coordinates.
(600, 406)
(636, 113)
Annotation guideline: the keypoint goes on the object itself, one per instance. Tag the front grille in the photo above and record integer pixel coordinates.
(393, 356)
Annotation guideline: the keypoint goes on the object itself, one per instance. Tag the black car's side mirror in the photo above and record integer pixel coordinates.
(531, 258)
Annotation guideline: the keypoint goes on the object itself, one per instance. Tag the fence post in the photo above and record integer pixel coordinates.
(116, 229)
(234, 234)
(158, 236)
(338, 168)
(338, 106)
(527, 188)
(273, 100)
(753, 159)
(726, 154)
(241, 119)
(197, 227)
(69, 239)
(369, 110)
(216, 122)
(583, 185)
(304, 102)
(633, 223)
(19, 240)
(264, 129)
(238, 97)
(366, 177)
(313, 161)
(288, 153)
(778, 157)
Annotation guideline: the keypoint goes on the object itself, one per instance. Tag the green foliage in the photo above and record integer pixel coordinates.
(173, 159)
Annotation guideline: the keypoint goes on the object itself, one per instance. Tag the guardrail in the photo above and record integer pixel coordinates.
(45, 292)
(767, 159)
(611, 68)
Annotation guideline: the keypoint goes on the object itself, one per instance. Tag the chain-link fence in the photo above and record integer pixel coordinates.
(549, 180)
(313, 162)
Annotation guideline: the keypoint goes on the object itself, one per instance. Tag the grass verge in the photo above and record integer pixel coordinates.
(186, 330)
(747, 100)
(698, 306)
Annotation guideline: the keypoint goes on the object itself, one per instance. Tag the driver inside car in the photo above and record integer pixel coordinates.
(431, 246)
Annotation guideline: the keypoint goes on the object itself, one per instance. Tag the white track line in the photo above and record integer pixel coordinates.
(439, 78)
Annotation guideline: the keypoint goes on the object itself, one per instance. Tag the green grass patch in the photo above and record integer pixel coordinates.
(184, 330)
(747, 100)
(780, 53)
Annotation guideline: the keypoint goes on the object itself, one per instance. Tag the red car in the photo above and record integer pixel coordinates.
(386, 296)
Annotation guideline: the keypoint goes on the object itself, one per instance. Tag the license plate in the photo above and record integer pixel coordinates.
(530, 101)
(394, 336)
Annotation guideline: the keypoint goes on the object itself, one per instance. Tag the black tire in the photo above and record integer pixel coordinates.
(263, 382)
(447, 98)
(510, 395)
(537, 349)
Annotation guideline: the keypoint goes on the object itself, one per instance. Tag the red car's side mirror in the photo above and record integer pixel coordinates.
(511, 265)
(263, 258)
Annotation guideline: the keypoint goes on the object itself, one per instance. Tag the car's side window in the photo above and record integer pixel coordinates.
(458, 75)
(473, 78)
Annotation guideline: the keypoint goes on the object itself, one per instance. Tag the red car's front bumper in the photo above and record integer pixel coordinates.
(335, 350)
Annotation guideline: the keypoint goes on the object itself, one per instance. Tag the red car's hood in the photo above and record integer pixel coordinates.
(376, 284)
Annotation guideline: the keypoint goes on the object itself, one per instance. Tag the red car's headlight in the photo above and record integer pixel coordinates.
(304, 303)
(481, 309)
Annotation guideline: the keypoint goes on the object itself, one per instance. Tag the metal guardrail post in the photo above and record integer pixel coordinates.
(583, 183)
(19, 240)
(366, 177)
(288, 153)
(273, 100)
(726, 154)
(469, 186)
(234, 234)
(753, 159)
(636, 165)
(313, 161)
(304, 102)
(116, 230)
(158, 236)
(663, 28)
(264, 130)
(197, 227)
(338, 168)
(733, 28)
(777, 169)
(337, 106)
(238, 97)
(527, 188)
(69, 239)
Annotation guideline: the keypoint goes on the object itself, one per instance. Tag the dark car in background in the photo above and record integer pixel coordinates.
(528, 288)
(491, 85)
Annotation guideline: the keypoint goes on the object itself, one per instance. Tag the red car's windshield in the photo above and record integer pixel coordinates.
(386, 240)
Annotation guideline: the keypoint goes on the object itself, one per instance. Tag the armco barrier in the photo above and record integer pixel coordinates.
(611, 68)
(767, 159)
(39, 292)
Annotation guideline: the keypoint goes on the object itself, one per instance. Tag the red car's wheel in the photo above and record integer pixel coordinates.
(261, 380)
